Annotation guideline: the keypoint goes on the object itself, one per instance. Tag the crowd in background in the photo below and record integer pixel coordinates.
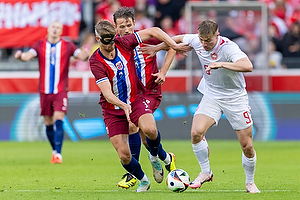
(242, 26)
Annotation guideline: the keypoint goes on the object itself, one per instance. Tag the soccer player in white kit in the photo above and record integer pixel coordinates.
(223, 88)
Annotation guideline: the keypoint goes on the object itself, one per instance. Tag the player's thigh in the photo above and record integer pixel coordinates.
(48, 120)
(147, 124)
(58, 115)
(207, 113)
(237, 112)
(133, 128)
(201, 123)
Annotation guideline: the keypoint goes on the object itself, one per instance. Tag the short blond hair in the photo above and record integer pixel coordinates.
(208, 27)
(104, 27)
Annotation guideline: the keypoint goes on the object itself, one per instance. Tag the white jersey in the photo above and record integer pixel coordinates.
(220, 83)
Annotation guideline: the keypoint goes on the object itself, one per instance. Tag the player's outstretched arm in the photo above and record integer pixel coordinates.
(105, 89)
(161, 75)
(84, 54)
(26, 56)
(162, 36)
(151, 50)
(241, 65)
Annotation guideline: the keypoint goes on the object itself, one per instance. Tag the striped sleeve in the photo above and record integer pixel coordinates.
(138, 37)
(101, 80)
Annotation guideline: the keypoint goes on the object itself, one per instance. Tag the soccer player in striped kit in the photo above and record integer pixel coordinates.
(152, 79)
(122, 93)
(53, 58)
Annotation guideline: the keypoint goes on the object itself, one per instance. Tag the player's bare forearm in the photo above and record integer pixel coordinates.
(168, 61)
(26, 56)
(105, 89)
(241, 65)
(162, 36)
(159, 34)
(83, 54)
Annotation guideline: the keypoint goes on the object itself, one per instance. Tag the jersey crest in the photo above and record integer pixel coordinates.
(119, 65)
(214, 56)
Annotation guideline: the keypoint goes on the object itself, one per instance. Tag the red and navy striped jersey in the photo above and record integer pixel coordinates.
(53, 65)
(120, 71)
(146, 67)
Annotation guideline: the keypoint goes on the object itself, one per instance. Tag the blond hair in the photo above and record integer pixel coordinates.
(208, 27)
(104, 27)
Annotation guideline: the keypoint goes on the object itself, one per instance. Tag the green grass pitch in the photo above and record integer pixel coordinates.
(91, 170)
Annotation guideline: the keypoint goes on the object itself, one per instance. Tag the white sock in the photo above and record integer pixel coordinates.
(53, 152)
(167, 161)
(249, 167)
(58, 155)
(201, 152)
(153, 158)
(145, 178)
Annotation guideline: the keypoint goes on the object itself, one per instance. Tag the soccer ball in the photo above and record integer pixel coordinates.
(178, 180)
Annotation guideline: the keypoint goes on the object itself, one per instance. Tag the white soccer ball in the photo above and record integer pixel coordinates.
(178, 180)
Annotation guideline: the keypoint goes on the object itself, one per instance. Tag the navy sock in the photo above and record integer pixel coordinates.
(135, 145)
(59, 135)
(154, 145)
(134, 168)
(50, 135)
(148, 149)
(162, 154)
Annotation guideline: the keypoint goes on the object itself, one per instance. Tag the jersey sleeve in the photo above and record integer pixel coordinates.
(97, 69)
(73, 49)
(152, 41)
(188, 38)
(129, 42)
(36, 48)
(233, 52)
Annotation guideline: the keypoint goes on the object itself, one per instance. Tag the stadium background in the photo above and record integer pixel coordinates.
(274, 94)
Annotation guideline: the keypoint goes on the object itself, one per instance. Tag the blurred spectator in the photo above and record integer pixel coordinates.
(274, 58)
(166, 25)
(281, 9)
(295, 17)
(242, 27)
(181, 23)
(291, 41)
(167, 8)
(141, 20)
(279, 25)
(105, 10)
(128, 3)
(291, 46)
(231, 31)
(273, 36)
(148, 6)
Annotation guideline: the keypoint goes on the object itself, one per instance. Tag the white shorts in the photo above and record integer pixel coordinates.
(236, 110)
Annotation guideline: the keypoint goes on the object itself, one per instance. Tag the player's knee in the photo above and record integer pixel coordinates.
(150, 132)
(196, 136)
(125, 158)
(248, 150)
